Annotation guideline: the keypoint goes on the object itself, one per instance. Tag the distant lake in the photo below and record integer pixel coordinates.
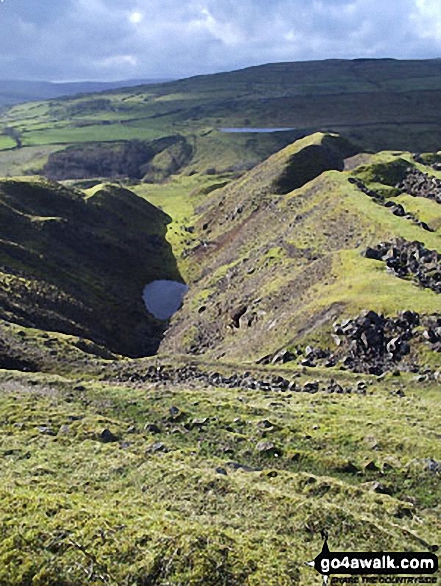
(259, 130)
(164, 298)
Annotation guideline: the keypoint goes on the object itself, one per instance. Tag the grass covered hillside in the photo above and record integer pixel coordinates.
(76, 263)
(296, 390)
(380, 104)
(282, 253)
(19, 91)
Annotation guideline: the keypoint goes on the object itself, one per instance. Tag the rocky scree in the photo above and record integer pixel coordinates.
(410, 260)
(420, 184)
(247, 381)
(370, 343)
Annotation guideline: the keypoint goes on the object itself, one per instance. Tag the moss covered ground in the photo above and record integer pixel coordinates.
(195, 502)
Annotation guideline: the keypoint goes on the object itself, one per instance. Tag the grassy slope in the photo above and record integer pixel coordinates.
(19, 91)
(76, 510)
(382, 104)
(293, 261)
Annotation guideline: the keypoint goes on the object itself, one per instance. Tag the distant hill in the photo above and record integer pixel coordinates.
(19, 91)
(376, 103)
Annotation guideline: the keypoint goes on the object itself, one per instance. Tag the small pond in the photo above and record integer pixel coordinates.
(163, 298)
(257, 130)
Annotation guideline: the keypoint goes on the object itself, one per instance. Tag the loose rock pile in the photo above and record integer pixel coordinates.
(373, 343)
(272, 383)
(410, 260)
(421, 184)
(308, 357)
(369, 192)
(395, 208)
(432, 333)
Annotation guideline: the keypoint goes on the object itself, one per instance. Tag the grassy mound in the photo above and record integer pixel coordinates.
(311, 161)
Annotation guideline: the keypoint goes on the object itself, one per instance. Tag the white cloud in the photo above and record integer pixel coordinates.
(136, 17)
(226, 32)
(117, 61)
(427, 19)
(166, 38)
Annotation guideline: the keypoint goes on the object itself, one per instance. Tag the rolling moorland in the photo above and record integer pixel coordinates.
(19, 91)
(379, 104)
(298, 387)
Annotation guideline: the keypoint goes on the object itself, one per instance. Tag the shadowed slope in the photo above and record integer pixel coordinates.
(78, 264)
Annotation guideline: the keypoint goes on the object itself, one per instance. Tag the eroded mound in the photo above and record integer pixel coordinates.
(274, 269)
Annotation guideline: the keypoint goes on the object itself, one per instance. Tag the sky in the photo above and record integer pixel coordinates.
(67, 40)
